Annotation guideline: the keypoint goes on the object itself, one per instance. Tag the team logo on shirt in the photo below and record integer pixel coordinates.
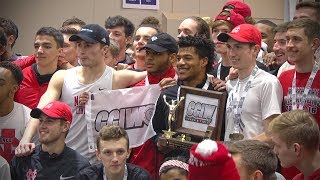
(8, 143)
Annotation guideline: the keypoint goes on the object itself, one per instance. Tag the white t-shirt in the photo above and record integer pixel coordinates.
(263, 99)
(12, 128)
(77, 137)
(285, 67)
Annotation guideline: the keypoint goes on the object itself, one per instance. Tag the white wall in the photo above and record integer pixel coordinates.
(30, 15)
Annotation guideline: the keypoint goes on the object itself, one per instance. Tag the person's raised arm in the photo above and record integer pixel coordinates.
(25, 62)
(53, 93)
(125, 78)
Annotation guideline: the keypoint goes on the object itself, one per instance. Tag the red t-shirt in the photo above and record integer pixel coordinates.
(314, 176)
(147, 155)
(30, 91)
(312, 103)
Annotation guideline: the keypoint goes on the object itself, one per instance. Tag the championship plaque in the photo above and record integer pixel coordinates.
(199, 116)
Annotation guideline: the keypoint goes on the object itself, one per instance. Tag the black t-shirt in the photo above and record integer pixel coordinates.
(224, 71)
(95, 172)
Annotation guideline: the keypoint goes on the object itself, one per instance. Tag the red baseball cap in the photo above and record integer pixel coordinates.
(245, 33)
(55, 109)
(238, 7)
(234, 18)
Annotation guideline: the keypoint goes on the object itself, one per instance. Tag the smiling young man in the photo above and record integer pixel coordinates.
(113, 151)
(255, 96)
(47, 46)
(52, 159)
(224, 22)
(301, 86)
(295, 135)
(194, 59)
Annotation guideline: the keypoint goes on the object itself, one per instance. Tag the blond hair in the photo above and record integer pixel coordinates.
(297, 126)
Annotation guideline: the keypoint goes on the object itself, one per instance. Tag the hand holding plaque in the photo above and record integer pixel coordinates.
(172, 110)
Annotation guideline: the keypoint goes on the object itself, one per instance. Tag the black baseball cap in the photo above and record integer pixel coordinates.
(92, 33)
(162, 42)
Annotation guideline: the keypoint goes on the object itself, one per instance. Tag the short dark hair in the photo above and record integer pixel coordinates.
(310, 4)
(311, 28)
(73, 21)
(281, 27)
(111, 132)
(69, 30)
(203, 29)
(204, 47)
(267, 22)
(50, 31)
(255, 155)
(115, 21)
(10, 28)
(14, 69)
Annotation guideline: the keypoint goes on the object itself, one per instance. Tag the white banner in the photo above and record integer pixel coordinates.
(130, 108)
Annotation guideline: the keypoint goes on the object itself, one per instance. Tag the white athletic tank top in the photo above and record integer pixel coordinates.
(77, 137)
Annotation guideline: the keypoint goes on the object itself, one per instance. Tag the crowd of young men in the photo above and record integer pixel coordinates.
(283, 112)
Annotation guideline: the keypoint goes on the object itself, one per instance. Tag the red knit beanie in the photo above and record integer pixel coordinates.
(211, 160)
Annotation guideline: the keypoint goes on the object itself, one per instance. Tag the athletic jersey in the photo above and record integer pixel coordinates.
(12, 128)
(77, 137)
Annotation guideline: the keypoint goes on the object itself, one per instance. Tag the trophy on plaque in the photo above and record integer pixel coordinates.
(172, 110)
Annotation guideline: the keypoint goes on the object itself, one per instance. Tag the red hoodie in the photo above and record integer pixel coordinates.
(147, 155)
